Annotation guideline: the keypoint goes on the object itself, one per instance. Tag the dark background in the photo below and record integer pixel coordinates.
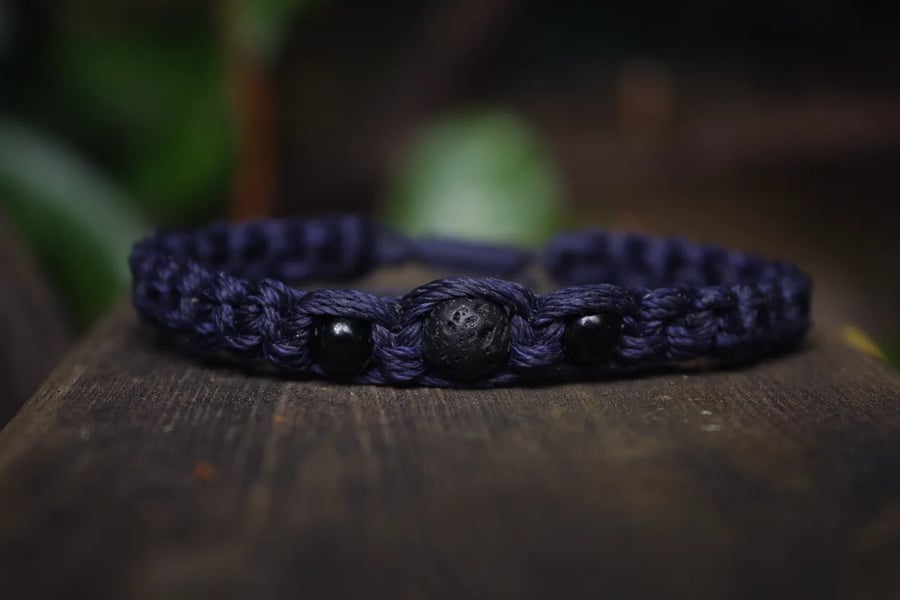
(771, 126)
(139, 471)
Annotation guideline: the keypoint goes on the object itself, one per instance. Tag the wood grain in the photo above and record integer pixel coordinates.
(138, 471)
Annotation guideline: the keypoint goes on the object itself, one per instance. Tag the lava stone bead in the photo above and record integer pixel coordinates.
(592, 339)
(344, 346)
(466, 338)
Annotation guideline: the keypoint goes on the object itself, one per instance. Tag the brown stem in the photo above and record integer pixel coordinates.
(251, 90)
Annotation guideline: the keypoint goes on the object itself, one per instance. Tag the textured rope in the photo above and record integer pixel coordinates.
(223, 287)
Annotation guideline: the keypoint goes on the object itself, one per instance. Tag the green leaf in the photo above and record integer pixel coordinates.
(79, 224)
(163, 101)
(132, 81)
(483, 175)
(182, 176)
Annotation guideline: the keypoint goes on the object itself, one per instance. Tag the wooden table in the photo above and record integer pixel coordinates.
(138, 471)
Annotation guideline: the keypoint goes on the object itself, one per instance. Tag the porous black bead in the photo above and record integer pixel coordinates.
(466, 338)
(592, 339)
(344, 346)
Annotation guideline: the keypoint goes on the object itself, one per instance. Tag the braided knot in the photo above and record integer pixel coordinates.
(226, 289)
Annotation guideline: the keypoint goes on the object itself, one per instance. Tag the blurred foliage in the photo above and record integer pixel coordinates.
(135, 127)
(141, 92)
(132, 102)
(483, 175)
(158, 99)
(261, 25)
(80, 225)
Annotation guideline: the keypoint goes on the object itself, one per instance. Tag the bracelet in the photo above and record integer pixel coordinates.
(630, 303)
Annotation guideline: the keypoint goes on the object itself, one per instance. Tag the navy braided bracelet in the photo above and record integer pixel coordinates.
(628, 303)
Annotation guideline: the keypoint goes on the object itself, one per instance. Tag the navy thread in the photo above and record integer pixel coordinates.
(223, 287)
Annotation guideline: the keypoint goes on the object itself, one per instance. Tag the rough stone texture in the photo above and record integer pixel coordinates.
(466, 338)
(138, 472)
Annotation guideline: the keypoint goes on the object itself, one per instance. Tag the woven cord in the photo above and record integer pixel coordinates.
(223, 288)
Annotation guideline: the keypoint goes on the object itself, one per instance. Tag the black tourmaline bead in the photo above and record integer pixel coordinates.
(466, 338)
(592, 339)
(344, 346)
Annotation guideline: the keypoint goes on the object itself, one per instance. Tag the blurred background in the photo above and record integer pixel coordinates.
(767, 125)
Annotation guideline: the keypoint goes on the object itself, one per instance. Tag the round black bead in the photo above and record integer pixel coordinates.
(344, 346)
(466, 338)
(592, 339)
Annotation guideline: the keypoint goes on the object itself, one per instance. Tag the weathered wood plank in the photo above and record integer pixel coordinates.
(139, 472)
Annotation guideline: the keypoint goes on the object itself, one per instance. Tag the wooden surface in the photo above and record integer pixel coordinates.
(139, 472)
(33, 332)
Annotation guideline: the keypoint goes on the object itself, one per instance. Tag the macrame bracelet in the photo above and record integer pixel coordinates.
(630, 303)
